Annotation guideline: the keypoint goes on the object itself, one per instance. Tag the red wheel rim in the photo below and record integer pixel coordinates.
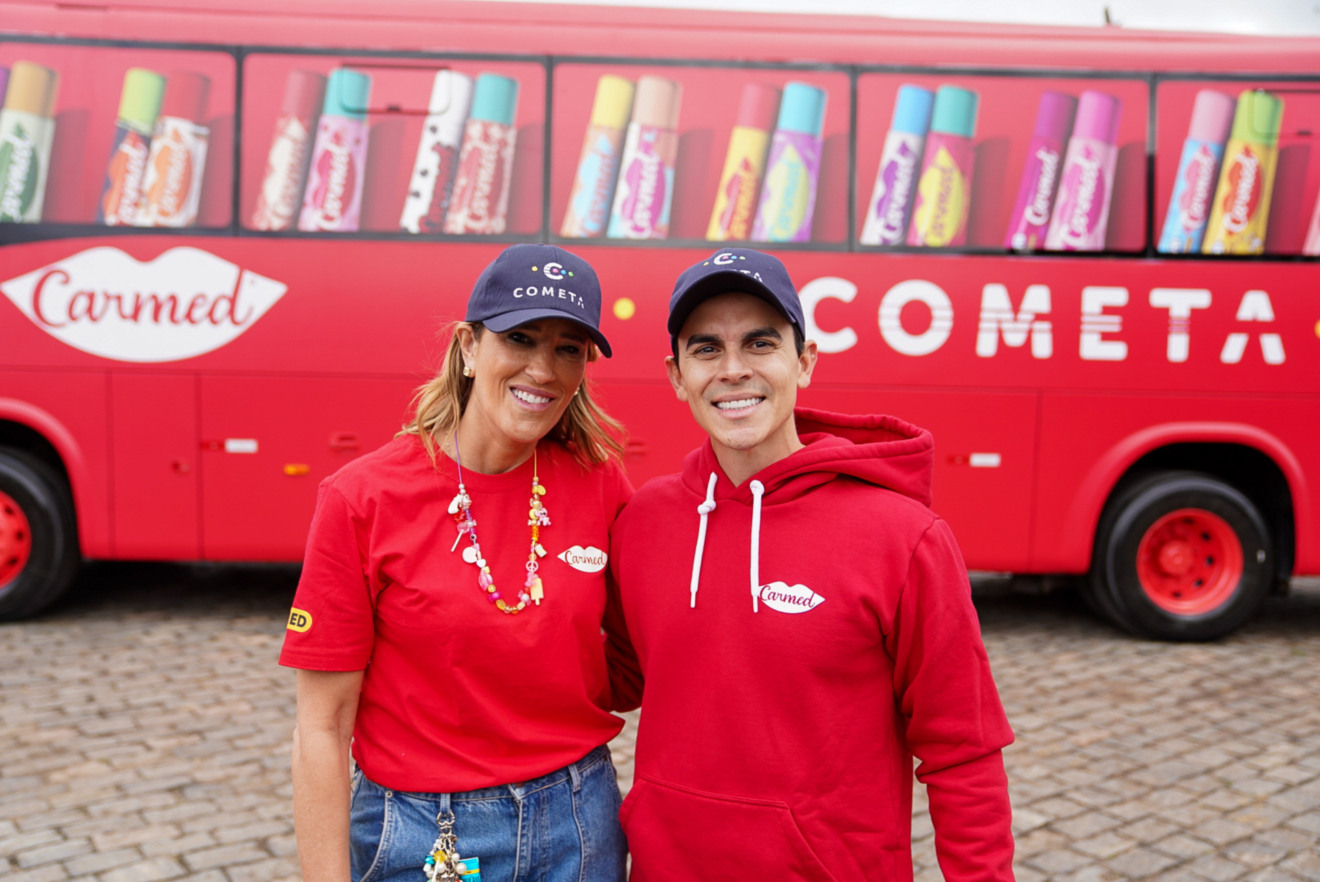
(15, 539)
(1189, 562)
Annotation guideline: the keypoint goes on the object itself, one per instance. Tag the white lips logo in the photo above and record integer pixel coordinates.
(785, 598)
(585, 560)
(185, 303)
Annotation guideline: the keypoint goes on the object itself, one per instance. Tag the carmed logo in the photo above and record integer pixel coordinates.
(185, 303)
(585, 560)
(785, 598)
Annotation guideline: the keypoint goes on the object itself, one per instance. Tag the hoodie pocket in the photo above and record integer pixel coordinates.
(677, 832)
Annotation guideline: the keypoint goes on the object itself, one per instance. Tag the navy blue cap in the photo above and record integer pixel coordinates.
(534, 281)
(735, 269)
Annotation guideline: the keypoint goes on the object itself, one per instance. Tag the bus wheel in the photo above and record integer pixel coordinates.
(1181, 556)
(38, 538)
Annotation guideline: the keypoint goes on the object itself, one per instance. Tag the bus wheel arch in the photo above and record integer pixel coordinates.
(38, 534)
(1181, 555)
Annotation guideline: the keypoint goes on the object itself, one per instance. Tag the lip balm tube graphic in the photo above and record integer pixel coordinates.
(1030, 219)
(27, 129)
(1241, 207)
(280, 196)
(890, 208)
(645, 189)
(139, 105)
(744, 164)
(1081, 213)
(1312, 246)
(788, 195)
(588, 210)
(1198, 172)
(332, 201)
(173, 186)
(432, 182)
(944, 189)
(480, 201)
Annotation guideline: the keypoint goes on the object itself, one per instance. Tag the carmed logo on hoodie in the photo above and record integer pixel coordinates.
(184, 303)
(785, 598)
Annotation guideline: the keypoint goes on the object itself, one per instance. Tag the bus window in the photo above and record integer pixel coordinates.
(700, 152)
(1234, 167)
(1027, 163)
(123, 137)
(423, 145)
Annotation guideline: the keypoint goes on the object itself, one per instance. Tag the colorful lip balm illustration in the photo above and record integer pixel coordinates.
(173, 185)
(1198, 171)
(890, 208)
(139, 105)
(944, 190)
(788, 195)
(1312, 246)
(480, 201)
(333, 198)
(1081, 213)
(645, 189)
(436, 165)
(1030, 219)
(588, 210)
(282, 185)
(744, 164)
(27, 130)
(1240, 212)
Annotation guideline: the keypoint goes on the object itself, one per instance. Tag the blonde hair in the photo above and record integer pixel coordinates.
(590, 434)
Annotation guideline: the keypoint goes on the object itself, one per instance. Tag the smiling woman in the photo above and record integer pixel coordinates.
(415, 671)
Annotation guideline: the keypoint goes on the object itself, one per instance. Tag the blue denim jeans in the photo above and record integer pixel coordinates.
(562, 827)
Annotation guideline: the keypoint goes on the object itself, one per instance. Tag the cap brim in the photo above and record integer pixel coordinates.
(715, 283)
(507, 321)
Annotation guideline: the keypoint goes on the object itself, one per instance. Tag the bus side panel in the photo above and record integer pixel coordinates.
(1082, 436)
(155, 450)
(69, 409)
(984, 451)
(266, 444)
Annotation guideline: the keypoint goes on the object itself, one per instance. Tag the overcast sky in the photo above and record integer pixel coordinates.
(1235, 16)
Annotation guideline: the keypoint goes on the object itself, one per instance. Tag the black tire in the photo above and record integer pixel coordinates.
(1206, 568)
(34, 495)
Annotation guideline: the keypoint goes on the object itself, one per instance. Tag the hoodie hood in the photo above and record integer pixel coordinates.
(880, 450)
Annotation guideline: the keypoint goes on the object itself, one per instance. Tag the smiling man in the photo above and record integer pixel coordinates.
(801, 624)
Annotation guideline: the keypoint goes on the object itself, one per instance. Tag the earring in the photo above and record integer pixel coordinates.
(468, 372)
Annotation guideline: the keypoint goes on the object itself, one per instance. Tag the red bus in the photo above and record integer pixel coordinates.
(231, 234)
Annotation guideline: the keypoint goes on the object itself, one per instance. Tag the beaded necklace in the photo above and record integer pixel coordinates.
(537, 517)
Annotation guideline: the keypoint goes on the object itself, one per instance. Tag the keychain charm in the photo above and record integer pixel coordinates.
(444, 863)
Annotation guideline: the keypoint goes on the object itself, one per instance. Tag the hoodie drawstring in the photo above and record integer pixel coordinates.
(704, 509)
(755, 570)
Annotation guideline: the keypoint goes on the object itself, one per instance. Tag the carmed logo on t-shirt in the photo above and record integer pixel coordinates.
(184, 303)
(585, 560)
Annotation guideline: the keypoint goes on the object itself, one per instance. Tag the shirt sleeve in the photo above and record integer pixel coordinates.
(956, 725)
(621, 659)
(332, 624)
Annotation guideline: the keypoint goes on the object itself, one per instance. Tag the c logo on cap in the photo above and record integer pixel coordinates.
(723, 259)
(554, 271)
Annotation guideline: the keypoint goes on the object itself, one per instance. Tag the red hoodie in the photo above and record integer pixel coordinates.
(797, 652)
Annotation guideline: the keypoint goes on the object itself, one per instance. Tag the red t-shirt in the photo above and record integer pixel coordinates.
(458, 695)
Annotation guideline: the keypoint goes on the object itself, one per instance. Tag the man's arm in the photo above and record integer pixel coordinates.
(956, 724)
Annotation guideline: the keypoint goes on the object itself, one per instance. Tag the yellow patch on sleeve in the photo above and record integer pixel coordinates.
(299, 620)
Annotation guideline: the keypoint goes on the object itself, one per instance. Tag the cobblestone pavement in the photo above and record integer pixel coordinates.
(145, 730)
